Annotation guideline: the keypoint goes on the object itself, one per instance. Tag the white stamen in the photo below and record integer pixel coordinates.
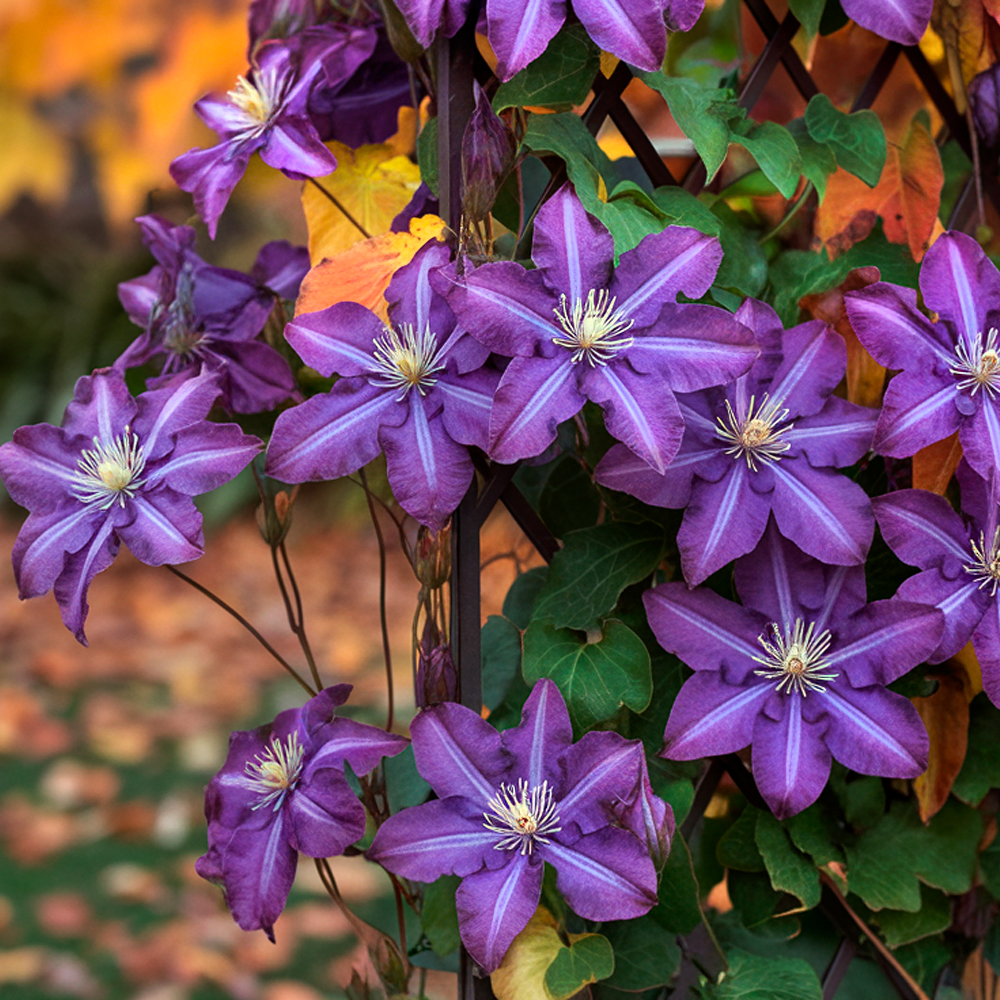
(986, 567)
(260, 100)
(755, 436)
(594, 330)
(406, 359)
(978, 367)
(796, 659)
(110, 473)
(522, 816)
(275, 772)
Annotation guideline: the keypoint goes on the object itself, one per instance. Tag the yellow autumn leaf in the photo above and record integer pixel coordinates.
(37, 160)
(373, 183)
(362, 272)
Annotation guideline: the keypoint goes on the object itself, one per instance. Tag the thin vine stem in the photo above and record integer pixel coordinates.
(337, 202)
(232, 611)
(790, 214)
(386, 651)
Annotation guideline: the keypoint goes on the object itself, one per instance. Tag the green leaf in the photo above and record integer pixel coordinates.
(403, 785)
(595, 678)
(752, 896)
(519, 604)
(438, 917)
(857, 140)
(646, 955)
(812, 831)
(788, 870)
(925, 959)
(501, 659)
(991, 947)
(888, 859)
(818, 161)
(981, 768)
(702, 114)
(933, 917)
(751, 977)
(427, 154)
(569, 499)
(586, 577)
(989, 869)
(775, 151)
(683, 209)
(559, 78)
(677, 909)
(737, 848)
(809, 13)
(587, 960)
(630, 214)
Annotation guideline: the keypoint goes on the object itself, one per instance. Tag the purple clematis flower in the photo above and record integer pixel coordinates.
(799, 671)
(903, 21)
(282, 790)
(950, 378)
(767, 443)
(415, 390)
(118, 470)
(509, 802)
(960, 561)
(202, 318)
(578, 328)
(266, 112)
(520, 30)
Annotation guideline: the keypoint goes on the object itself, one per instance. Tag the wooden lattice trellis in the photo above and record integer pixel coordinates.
(458, 64)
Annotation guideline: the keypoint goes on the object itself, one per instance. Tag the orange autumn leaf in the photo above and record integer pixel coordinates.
(961, 26)
(945, 713)
(907, 198)
(373, 183)
(362, 272)
(934, 465)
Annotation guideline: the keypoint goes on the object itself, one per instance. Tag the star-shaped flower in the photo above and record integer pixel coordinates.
(950, 369)
(798, 672)
(282, 790)
(118, 470)
(509, 802)
(579, 328)
(769, 442)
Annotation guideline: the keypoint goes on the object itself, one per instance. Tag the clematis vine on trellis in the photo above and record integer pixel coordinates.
(579, 328)
(415, 390)
(510, 802)
(767, 443)
(798, 672)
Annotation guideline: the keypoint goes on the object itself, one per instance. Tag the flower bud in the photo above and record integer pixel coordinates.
(274, 516)
(432, 556)
(488, 152)
(650, 819)
(437, 678)
(398, 31)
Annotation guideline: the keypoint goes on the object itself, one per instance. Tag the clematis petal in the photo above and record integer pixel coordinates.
(813, 363)
(331, 435)
(292, 145)
(253, 375)
(101, 406)
(495, 906)
(638, 410)
(468, 401)
(458, 753)
(960, 600)
(541, 736)
(423, 17)
(903, 21)
(79, 570)
(602, 768)
(986, 642)
(711, 717)
(280, 266)
(412, 299)
(165, 528)
(203, 458)
(324, 815)
(622, 469)
(872, 730)
(164, 413)
(980, 438)
(338, 339)
(604, 875)
(631, 29)
(40, 465)
(520, 32)
(211, 174)
(923, 530)
(535, 395)
(441, 837)
(839, 435)
(44, 541)
(826, 514)
(362, 746)
(917, 411)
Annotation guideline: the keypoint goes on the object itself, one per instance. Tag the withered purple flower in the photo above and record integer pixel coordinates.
(510, 802)
(118, 470)
(579, 328)
(798, 672)
(282, 790)
(769, 442)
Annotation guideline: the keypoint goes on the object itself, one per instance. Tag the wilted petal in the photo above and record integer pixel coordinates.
(281, 266)
(711, 717)
(254, 376)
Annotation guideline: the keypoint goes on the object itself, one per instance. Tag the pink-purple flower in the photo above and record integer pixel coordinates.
(579, 328)
(282, 791)
(511, 802)
(769, 442)
(415, 390)
(798, 672)
(903, 21)
(118, 470)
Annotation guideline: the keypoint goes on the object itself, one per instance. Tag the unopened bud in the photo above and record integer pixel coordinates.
(274, 516)
(398, 32)
(488, 153)
(437, 678)
(432, 557)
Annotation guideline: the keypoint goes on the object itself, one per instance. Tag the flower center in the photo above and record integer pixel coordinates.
(110, 473)
(595, 330)
(796, 658)
(275, 772)
(978, 367)
(257, 103)
(522, 816)
(755, 436)
(406, 359)
(986, 567)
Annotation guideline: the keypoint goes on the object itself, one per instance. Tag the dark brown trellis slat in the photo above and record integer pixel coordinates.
(457, 64)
